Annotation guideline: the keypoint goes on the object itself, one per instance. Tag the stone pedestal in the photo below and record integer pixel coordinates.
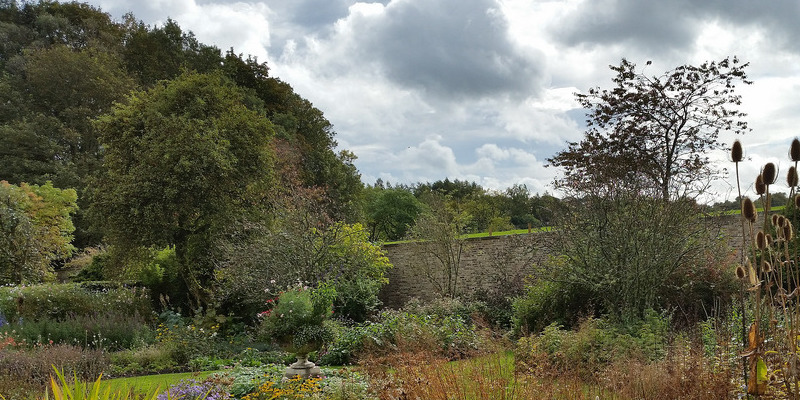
(303, 368)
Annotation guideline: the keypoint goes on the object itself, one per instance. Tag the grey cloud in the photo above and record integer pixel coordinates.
(448, 48)
(650, 25)
(658, 25)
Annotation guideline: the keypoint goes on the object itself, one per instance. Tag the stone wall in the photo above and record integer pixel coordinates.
(492, 263)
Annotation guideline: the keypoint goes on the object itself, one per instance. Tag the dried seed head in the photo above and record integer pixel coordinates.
(766, 267)
(740, 272)
(770, 173)
(774, 219)
(761, 188)
(761, 240)
(768, 237)
(737, 155)
(781, 220)
(797, 201)
(749, 209)
(788, 230)
(791, 177)
(751, 274)
(794, 151)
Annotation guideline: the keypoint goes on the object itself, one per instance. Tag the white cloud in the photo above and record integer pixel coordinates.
(482, 89)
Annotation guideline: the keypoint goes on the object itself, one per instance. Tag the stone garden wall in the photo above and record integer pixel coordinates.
(491, 262)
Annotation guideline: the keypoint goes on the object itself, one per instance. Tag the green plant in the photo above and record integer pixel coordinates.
(593, 345)
(295, 388)
(298, 319)
(110, 331)
(60, 301)
(545, 302)
(148, 359)
(77, 390)
(27, 371)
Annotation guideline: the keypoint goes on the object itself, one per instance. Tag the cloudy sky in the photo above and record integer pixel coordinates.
(483, 90)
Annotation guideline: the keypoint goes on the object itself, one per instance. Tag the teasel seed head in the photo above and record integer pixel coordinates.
(788, 230)
(761, 240)
(740, 273)
(774, 219)
(737, 155)
(761, 188)
(797, 201)
(794, 151)
(749, 210)
(781, 220)
(791, 177)
(766, 267)
(751, 273)
(768, 238)
(769, 173)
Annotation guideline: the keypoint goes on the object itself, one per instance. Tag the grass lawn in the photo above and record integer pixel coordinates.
(148, 383)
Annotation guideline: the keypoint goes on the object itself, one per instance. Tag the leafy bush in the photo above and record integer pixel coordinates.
(144, 360)
(185, 342)
(594, 345)
(447, 336)
(297, 320)
(357, 299)
(61, 301)
(547, 302)
(108, 331)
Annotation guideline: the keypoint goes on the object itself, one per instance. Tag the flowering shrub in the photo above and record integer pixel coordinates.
(186, 342)
(194, 390)
(297, 320)
(61, 301)
(295, 388)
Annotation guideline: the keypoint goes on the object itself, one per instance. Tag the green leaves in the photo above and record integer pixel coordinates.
(184, 159)
(35, 229)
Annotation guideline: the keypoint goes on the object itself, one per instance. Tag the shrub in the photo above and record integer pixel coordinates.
(297, 320)
(295, 388)
(110, 331)
(446, 336)
(60, 301)
(28, 371)
(144, 360)
(547, 302)
(357, 299)
(195, 390)
(185, 342)
(593, 346)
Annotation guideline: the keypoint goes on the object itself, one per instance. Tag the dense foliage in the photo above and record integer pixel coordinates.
(35, 230)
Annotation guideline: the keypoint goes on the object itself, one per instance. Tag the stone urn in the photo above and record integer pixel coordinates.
(302, 367)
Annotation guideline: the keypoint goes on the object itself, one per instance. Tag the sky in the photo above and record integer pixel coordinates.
(483, 90)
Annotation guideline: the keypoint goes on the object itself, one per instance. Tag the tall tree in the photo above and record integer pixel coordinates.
(655, 129)
(390, 212)
(35, 229)
(183, 160)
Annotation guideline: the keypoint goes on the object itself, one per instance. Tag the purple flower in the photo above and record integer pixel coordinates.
(193, 390)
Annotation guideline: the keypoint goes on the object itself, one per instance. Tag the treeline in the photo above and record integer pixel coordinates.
(390, 211)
